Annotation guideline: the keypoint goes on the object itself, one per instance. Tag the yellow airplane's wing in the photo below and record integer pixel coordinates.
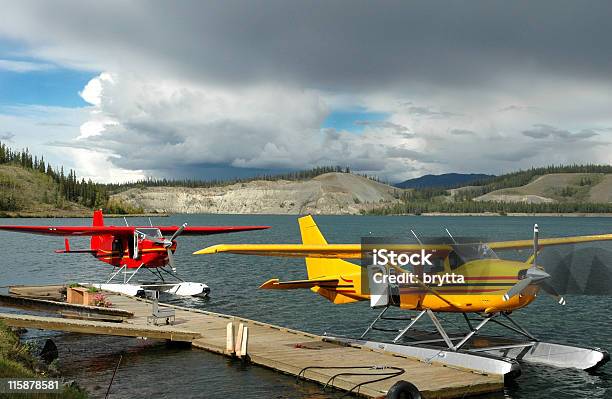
(544, 242)
(336, 251)
(353, 251)
(344, 251)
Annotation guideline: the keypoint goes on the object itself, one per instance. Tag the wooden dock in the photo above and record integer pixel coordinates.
(51, 292)
(98, 327)
(282, 349)
(65, 309)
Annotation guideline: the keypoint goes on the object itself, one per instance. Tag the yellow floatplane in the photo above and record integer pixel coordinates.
(468, 278)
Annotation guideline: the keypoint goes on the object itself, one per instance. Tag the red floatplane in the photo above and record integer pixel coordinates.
(132, 248)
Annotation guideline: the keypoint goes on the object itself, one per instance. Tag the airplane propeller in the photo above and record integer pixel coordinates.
(534, 276)
(178, 232)
(168, 245)
(171, 259)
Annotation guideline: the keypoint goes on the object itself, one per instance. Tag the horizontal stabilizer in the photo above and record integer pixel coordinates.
(75, 251)
(274, 284)
(67, 249)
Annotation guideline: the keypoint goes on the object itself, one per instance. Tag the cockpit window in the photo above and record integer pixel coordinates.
(463, 253)
(150, 232)
(437, 266)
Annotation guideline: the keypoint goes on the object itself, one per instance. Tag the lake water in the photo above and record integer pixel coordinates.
(150, 369)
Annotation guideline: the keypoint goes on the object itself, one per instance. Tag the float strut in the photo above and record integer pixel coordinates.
(440, 329)
(374, 322)
(133, 274)
(472, 333)
(408, 327)
(115, 274)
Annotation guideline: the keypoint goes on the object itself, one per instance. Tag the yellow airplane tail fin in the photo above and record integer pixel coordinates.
(321, 267)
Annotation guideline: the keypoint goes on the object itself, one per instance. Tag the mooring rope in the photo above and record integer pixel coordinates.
(393, 372)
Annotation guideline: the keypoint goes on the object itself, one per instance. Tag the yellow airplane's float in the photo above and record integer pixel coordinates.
(471, 280)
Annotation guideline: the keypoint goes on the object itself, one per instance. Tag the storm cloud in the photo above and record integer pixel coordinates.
(340, 45)
(546, 131)
(467, 86)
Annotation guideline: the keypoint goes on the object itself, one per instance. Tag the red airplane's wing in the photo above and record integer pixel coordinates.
(126, 230)
(73, 230)
(207, 230)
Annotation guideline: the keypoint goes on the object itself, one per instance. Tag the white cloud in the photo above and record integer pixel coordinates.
(92, 92)
(44, 131)
(35, 126)
(152, 125)
(24, 66)
(95, 165)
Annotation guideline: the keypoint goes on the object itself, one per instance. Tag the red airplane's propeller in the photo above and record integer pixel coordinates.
(168, 245)
(178, 232)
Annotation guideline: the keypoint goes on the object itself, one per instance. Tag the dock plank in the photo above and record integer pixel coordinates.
(97, 327)
(25, 302)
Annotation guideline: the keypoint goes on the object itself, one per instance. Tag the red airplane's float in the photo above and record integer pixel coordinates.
(131, 248)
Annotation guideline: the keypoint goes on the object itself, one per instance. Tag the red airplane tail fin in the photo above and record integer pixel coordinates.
(98, 220)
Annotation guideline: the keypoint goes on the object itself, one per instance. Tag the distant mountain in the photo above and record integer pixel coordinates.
(447, 180)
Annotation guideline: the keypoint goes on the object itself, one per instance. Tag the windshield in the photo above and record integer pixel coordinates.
(150, 232)
(468, 252)
(463, 253)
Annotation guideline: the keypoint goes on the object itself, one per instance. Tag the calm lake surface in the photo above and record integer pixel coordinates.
(149, 369)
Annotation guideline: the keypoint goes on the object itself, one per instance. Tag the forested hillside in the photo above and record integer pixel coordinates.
(523, 177)
(446, 180)
(30, 184)
(551, 189)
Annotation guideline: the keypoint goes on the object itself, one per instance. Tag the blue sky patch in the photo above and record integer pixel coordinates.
(345, 119)
(54, 87)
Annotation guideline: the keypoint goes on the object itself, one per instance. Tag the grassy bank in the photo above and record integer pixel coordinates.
(17, 361)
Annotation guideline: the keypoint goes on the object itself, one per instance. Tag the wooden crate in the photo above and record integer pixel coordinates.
(79, 296)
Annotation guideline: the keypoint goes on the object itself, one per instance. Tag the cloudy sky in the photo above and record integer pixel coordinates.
(121, 90)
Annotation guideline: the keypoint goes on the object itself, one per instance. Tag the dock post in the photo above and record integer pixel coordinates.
(239, 340)
(230, 344)
(244, 344)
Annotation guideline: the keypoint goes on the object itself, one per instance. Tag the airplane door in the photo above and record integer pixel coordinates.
(382, 292)
(132, 245)
(117, 247)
